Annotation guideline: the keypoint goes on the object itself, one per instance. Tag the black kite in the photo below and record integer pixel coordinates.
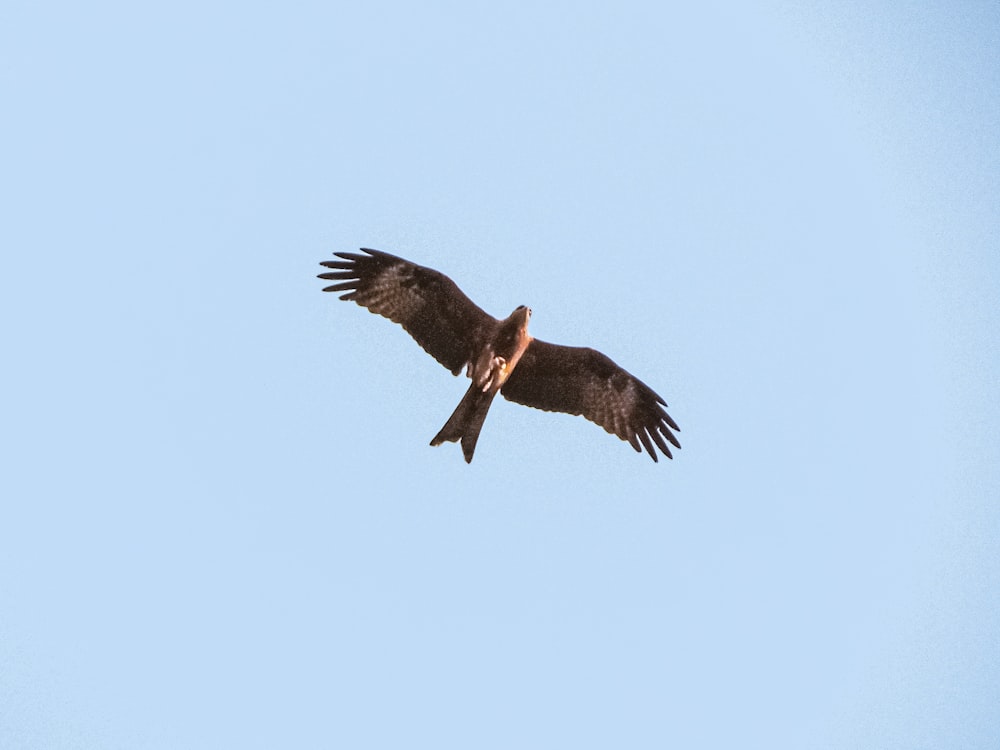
(499, 355)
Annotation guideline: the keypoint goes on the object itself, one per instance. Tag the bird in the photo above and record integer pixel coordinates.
(500, 356)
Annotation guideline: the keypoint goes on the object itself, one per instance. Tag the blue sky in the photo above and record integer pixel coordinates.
(222, 525)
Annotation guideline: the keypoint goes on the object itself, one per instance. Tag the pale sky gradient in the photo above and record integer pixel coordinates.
(221, 524)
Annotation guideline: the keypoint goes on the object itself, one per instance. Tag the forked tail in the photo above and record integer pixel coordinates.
(466, 421)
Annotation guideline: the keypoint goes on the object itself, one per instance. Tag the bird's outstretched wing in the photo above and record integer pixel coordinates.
(428, 304)
(583, 381)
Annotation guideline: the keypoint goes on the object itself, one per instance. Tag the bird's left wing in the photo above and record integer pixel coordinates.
(428, 304)
(583, 381)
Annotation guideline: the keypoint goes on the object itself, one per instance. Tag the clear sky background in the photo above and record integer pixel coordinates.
(222, 524)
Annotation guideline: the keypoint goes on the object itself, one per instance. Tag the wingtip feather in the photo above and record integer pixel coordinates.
(658, 439)
(670, 436)
(647, 443)
(341, 287)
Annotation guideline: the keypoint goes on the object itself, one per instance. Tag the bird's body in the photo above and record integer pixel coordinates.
(499, 355)
(489, 371)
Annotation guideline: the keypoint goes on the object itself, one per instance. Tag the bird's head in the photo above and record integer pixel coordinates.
(517, 321)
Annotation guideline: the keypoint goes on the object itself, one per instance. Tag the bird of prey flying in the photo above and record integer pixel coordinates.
(499, 355)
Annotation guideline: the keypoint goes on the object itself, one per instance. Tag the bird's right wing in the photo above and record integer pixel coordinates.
(428, 304)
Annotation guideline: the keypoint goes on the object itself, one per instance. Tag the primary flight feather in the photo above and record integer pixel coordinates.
(499, 356)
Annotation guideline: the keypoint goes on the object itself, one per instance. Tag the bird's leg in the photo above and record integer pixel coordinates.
(498, 366)
(489, 371)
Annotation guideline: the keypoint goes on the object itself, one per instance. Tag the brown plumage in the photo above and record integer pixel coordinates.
(500, 356)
